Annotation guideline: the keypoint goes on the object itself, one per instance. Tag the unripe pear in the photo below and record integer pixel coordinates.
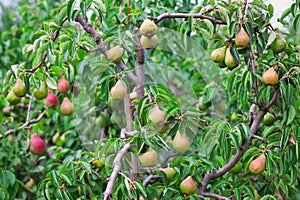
(237, 168)
(242, 39)
(156, 115)
(63, 85)
(37, 145)
(118, 91)
(148, 158)
(148, 28)
(188, 186)
(51, 100)
(258, 165)
(203, 105)
(180, 142)
(99, 163)
(66, 107)
(42, 93)
(12, 98)
(149, 43)
(19, 88)
(279, 44)
(115, 54)
(270, 77)
(30, 183)
(269, 119)
(230, 61)
(233, 117)
(6, 110)
(218, 55)
(169, 171)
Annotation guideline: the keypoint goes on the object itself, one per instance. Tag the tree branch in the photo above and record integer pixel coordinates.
(254, 70)
(187, 15)
(140, 67)
(117, 168)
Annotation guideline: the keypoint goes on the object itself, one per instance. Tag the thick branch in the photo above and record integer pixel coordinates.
(187, 15)
(91, 30)
(140, 67)
(117, 168)
(254, 70)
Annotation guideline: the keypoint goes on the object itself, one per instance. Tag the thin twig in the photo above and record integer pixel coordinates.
(187, 15)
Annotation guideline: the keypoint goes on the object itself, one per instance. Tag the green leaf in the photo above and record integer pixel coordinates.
(70, 7)
(296, 22)
(291, 116)
(54, 178)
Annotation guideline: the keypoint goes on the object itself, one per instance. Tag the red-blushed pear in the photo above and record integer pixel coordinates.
(148, 158)
(270, 77)
(169, 171)
(156, 115)
(51, 100)
(6, 110)
(188, 186)
(118, 91)
(63, 85)
(148, 28)
(19, 88)
(66, 107)
(12, 98)
(30, 183)
(37, 145)
(180, 142)
(242, 39)
(258, 165)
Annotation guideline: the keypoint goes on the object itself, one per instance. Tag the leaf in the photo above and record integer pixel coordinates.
(296, 22)
(271, 38)
(51, 83)
(291, 116)
(86, 166)
(54, 178)
(271, 9)
(70, 7)
(141, 187)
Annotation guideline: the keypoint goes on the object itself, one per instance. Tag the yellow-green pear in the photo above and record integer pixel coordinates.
(149, 42)
(218, 55)
(66, 107)
(279, 44)
(99, 163)
(180, 142)
(270, 77)
(12, 98)
(258, 165)
(118, 91)
(230, 61)
(242, 39)
(19, 88)
(237, 168)
(42, 93)
(148, 158)
(156, 115)
(188, 186)
(169, 171)
(269, 119)
(148, 28)
(115, 54)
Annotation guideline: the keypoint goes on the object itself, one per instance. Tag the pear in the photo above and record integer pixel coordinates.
(242, 39)
(279, 44)
(269, 119)
(30, 183)
(233, 117)
(230, 61)
(118, 91)
(258, 165)
(237, 168)
(156, 115)
(277, 194)
(203, 105)
(188, 186)
(51, 100)
(37, 145)
(218, 55)
(149, 42)
(180, 142)
(63, 85)
(19, 88)
(148, 28)
(12, 98)
(169, 171)
(6, 110)
(66, 107)
(99, 163)
(270, 77)
(115, 54)
(42, 93)
(148, 158)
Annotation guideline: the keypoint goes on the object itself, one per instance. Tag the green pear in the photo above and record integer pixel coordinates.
(258, 165)
(237, 168)
(188, 186)
(19, 88)
(218, 55)
(149, 42)
(279, 44)
(269, 119)
(242, 39)
(99, 163)
(42, 93)
(180, 142)
(230, 61)
(148, 28)
(115, 54)
(12, 98)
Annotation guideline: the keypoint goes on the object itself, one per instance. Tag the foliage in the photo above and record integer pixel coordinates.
(47, 39)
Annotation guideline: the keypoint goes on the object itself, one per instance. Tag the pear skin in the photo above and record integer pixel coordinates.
(180, 142)
(218, 55)
(270, 77)
(19, 88)
(188, 186)
(230, 61)
(242, 39)
(258, 165)
(279, 44)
